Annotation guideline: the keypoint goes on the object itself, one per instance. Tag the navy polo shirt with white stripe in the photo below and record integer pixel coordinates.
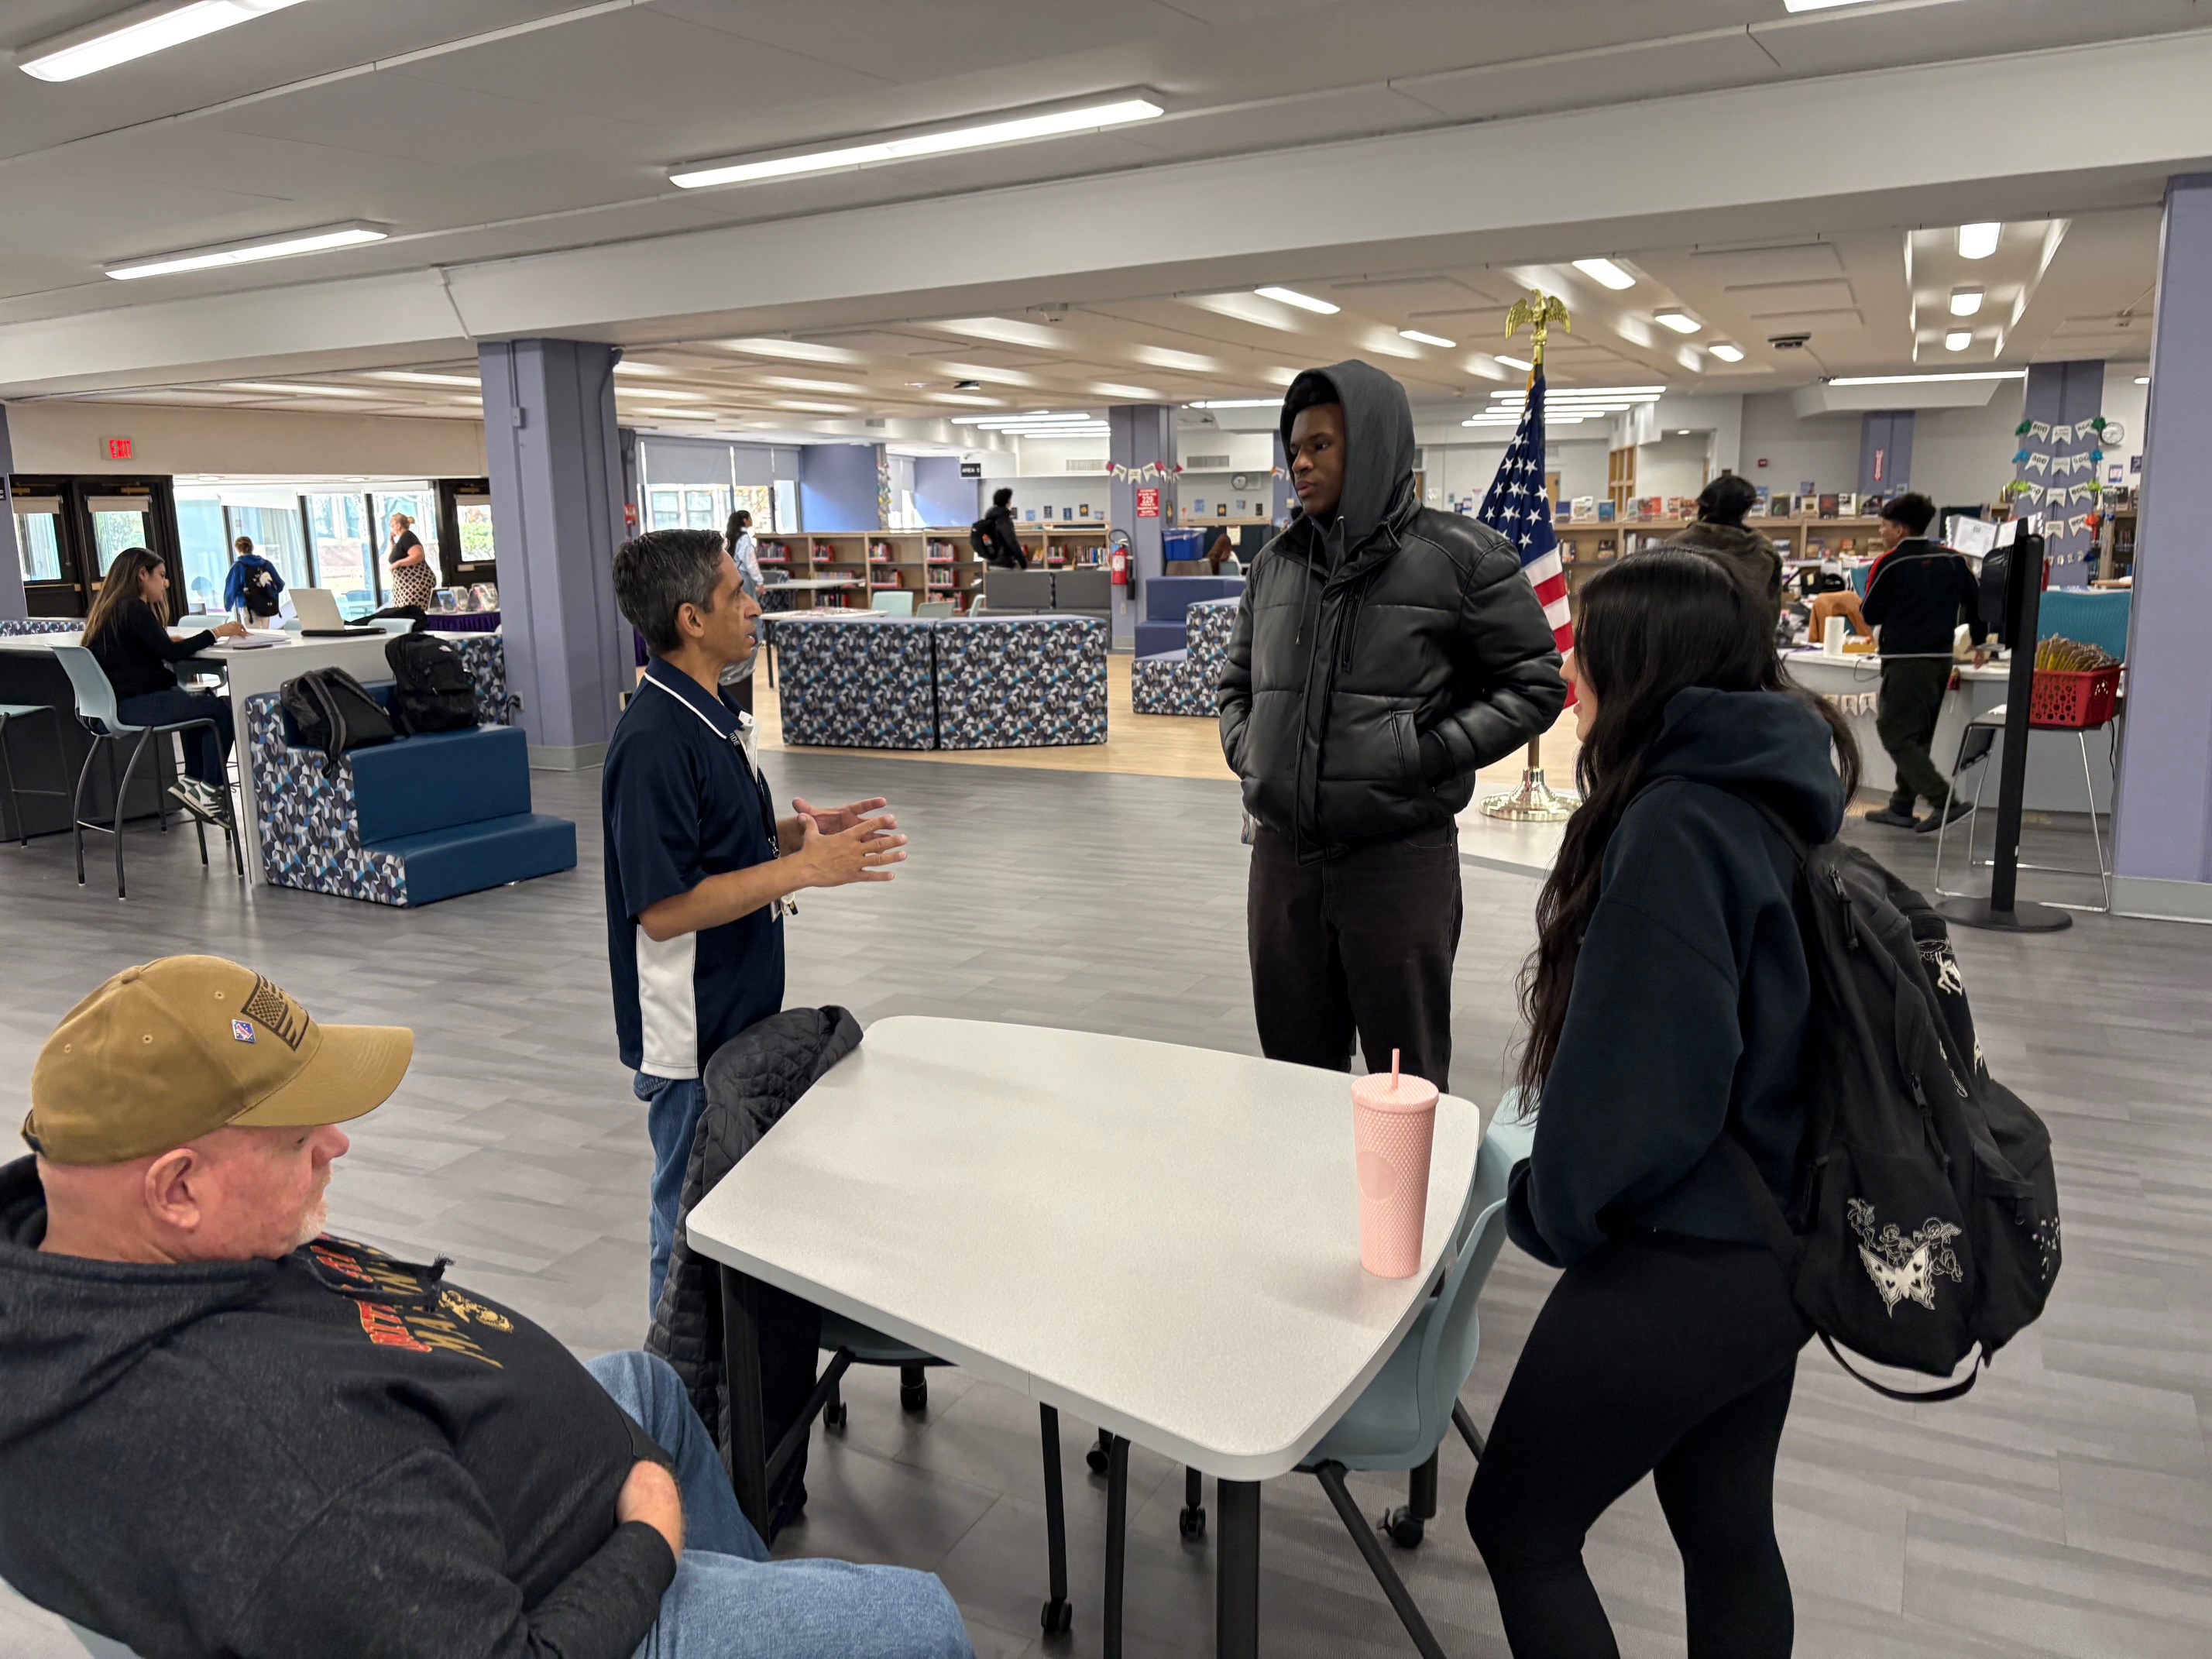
(682, 800)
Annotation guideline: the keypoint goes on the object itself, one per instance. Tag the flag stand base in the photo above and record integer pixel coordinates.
(1534, 802)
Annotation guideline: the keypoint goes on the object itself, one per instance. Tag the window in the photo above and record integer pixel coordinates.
(340, 526)
(276, 537)
(119, 523)
(37, 537)
(663, 509)
(759, 500)
(700, 510)
(787, 507)
(474, 512)
(204, 550)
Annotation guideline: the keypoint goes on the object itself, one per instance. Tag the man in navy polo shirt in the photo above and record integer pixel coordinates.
(699, 871)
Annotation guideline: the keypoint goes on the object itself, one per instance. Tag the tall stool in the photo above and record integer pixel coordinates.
(15, 711)
(1975, 743)
(95, 711)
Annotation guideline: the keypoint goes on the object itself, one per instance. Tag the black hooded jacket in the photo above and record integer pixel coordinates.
(1686, 1016)
(1378, 660)
(332, 1453)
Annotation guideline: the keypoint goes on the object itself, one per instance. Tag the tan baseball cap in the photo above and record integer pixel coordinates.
(167, 1052)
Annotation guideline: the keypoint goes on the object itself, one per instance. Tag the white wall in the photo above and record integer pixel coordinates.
(68, 438)
(1671, 466)
(2129, 404)
(1961, 456)
(1466, 470)
(1825, 448)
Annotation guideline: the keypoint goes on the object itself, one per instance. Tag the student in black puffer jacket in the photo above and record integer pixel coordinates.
(1383, 653)
(1668, 1000)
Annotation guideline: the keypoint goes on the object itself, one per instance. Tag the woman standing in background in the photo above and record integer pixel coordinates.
(413, 581)
(738, 677)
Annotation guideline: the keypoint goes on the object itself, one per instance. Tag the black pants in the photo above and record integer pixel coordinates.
(205, 752)
(1655, 1355)
(1362, 944)
(1911, 702)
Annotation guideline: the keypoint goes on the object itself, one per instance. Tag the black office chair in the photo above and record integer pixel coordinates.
(10, 712)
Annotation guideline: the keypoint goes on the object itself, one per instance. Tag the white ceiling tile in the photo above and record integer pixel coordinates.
(1779, 298)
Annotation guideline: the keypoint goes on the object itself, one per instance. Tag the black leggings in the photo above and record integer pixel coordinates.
(1655, 1355)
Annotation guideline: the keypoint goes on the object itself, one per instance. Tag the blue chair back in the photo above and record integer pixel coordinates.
(2099, 617)
(95, 696)
(1454, 1337)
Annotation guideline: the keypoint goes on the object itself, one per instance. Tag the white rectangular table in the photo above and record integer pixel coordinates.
(1163, 1240)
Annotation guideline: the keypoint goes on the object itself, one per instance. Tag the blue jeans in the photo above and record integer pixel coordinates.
(205, 751)
(729, 1601)
(672, 1114)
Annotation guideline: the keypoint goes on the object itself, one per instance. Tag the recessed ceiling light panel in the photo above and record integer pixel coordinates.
(1290, 296)
(1091, 116)
(1415, 335)
(1728, 354)
(1521, 364)
(1680, 321)
(1979, 241)
(1958, 339)
(1606, 273)
(1965, 301)
(1925, 380)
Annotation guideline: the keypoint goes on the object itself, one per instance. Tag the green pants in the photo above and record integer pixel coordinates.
(1911, 702)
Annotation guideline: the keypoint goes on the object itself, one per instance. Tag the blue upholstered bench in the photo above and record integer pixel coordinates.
(1168, 600)
(408, 822)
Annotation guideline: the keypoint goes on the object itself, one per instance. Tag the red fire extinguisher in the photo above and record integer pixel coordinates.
(1119, 564)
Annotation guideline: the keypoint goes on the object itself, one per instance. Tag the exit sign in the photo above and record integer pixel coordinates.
(116, 449)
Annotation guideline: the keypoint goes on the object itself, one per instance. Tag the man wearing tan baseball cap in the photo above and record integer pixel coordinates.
(223, 1431)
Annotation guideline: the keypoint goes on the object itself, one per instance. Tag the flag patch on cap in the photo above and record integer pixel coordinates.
(241, 1030)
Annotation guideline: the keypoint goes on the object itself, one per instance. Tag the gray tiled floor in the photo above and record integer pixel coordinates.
(2063, 1509)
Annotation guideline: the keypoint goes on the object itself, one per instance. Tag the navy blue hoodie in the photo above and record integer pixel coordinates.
(1687, 1012)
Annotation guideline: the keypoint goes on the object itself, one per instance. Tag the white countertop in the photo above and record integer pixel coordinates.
(1162, 1240)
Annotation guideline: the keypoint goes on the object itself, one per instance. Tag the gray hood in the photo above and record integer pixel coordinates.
(1378, 421)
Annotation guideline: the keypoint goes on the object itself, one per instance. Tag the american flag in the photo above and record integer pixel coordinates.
(1518, 509)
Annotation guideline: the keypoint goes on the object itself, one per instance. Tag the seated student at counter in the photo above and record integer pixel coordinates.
(128, 632)
(1918, 594)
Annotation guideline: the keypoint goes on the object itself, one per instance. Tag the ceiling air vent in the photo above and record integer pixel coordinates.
(875, 426)
(1789, 341)
(1208, 464)
(1098, 465)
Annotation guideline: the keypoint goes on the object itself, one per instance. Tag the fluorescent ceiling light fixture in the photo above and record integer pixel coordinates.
(1680, 321)
(667, 394)
(1514, 362)
(819, 409)
(2142, 380)
(627, 367)
(1923, 379)
(1189, 362)
(1965, 301)
(682, 413)
(875, 152)
(804, 383)
(1236, 403)
(1979, 241)
(1426, 339)
(1290, 296)
(803, 351)
(420, 377)
(319, 241)
(1030, 414)
(1958, 339)
(969, 398)
(1727, 354)
(1142, 394)
(289, 389)
(1604, 271)
(135, 34)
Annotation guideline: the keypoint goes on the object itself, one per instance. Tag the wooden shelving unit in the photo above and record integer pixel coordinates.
(930, 564)
(1588, 545)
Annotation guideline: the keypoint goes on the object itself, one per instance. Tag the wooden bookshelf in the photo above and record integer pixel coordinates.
(930, 564)
(1589, 545)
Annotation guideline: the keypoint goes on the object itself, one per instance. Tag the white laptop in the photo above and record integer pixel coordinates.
(317, 609)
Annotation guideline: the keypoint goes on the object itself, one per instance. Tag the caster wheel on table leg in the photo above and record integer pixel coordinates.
(1096, 1459)
(1403, 1528)
(833, 1417)
(1057, 1618)
(916, 1401)
(1191, 1522)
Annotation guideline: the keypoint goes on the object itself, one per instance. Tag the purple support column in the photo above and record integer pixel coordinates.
(941, 496)
(1140, 436)
(839, 488)
(556, 518)
(2162, 834)
(1885, 452)
(14, 604)
(1280, 501)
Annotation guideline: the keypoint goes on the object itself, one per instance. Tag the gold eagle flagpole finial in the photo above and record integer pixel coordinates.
(1539, 311)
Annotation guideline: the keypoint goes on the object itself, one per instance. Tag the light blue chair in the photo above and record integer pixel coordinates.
(937, 608)
(892, 605)
(1400, 1417)
(95, 711)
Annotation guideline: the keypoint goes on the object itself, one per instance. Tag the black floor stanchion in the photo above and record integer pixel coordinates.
(2001, 911)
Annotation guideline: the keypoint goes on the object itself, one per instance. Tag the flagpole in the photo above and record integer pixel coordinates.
(1535, 802)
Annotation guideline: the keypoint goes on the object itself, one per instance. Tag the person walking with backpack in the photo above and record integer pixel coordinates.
(993, 538)
(252, 587)
(1668, 1001)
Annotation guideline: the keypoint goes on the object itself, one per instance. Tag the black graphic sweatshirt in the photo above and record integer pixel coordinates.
(335, 1453)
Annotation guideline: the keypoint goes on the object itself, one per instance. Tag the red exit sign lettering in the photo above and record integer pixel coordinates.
(116, 449)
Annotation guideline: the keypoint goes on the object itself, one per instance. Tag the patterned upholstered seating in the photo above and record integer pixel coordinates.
(1183, 682)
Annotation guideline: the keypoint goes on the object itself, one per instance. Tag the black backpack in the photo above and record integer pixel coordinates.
(979, 540)
(334, 712)
(432, 688)
(258, 591)
(1931, 1224)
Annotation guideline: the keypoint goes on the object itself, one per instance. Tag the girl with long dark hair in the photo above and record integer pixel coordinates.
(1667, 1002)
(128, 632)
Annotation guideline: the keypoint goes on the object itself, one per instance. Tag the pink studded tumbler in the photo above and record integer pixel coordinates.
(1394, 1122)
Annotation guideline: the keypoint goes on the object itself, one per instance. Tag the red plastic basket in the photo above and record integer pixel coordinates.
(2073, 700)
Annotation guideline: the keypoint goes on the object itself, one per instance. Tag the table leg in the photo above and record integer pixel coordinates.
(1117, 1541)
(741, 1375)
(1236, 1570)
(1056, 1616)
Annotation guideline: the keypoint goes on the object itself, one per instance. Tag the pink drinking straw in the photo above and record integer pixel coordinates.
(1394, 1071)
